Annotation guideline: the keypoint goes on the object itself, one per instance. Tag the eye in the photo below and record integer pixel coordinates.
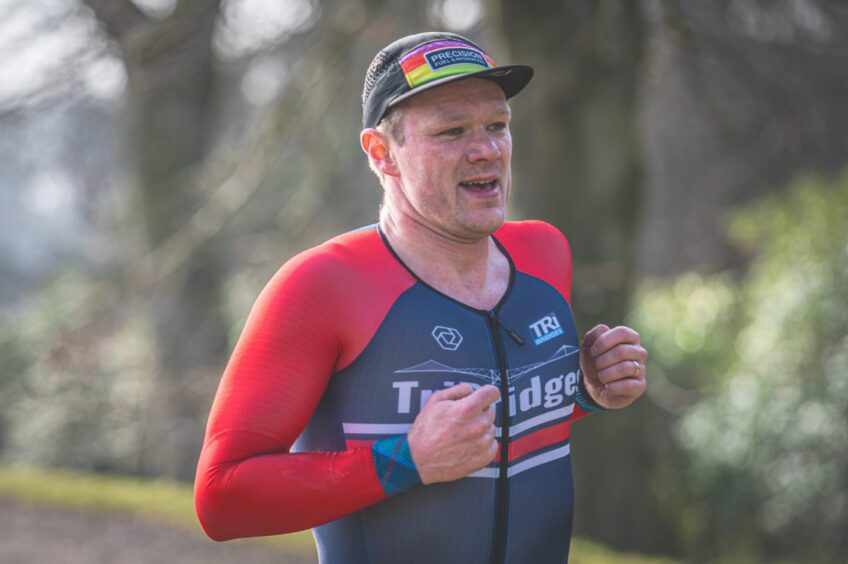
(452, 132)
(498, 126)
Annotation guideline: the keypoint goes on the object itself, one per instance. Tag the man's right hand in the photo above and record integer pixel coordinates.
(454, 434)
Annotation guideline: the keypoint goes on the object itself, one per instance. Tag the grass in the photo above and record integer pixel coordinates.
(172, 503)
(587, 552)
(161, 500)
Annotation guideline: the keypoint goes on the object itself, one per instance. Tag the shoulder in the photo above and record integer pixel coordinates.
(534, 237)
(349, 283)
(538, 249)
(351, 253)
(532, 242)
(353, 264)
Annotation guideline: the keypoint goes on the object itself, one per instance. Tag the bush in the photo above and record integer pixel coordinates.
(77, 372)
(757, 368)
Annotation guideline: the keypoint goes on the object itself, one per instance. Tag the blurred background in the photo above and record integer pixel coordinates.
(160, 159)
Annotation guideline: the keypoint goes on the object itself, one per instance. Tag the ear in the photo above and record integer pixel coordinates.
(376, 146)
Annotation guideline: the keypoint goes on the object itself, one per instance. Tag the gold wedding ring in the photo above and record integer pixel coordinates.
(638, 369)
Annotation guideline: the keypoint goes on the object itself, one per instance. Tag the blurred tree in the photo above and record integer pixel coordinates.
(171, 96)
(720, 120)
(175, 92)
(739, 98)
(766, 474)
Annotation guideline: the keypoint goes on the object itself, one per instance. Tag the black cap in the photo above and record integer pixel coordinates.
(416, 63)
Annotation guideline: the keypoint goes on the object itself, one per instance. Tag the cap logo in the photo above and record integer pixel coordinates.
(439, 59)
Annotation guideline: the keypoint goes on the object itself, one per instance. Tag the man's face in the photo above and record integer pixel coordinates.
(454, 165)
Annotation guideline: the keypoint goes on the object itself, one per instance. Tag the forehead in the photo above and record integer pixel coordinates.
(463, 96)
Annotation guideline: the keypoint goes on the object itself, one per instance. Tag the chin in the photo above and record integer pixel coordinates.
(486, 227)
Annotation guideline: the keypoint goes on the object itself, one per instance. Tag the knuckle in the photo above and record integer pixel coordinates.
(484, 443)
(466, 409)
(627, 333)
(437, 395)
(479, 428)
(493, 450)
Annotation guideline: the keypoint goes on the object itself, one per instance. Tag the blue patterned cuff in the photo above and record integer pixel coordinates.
(584, 399)
(395, 467)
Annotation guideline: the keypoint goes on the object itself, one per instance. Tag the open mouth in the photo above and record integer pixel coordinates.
(480, 185)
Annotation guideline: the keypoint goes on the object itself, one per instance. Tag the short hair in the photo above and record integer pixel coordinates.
(392, 126)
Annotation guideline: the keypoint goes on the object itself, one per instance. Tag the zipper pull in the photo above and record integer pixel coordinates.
(512, 334)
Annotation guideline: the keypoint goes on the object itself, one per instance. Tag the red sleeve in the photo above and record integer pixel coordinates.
(542, 251)
(248, 483)
(579, 412)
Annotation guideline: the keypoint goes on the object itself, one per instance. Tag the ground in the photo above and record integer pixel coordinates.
(35, 534)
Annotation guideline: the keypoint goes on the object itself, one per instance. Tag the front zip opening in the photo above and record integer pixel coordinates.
(512, 334)
(499, 542)
(498, 555)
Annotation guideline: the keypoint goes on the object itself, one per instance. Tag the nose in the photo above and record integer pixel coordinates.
(483, 147)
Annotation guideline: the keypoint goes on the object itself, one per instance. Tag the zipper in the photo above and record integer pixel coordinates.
(498, 555)
(512, 334)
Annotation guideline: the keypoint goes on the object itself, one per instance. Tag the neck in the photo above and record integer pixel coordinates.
(472, 271)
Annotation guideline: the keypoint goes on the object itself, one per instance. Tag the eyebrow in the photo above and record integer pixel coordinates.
(447, 118)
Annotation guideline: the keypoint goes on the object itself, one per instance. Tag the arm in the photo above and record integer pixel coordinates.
(248, 483)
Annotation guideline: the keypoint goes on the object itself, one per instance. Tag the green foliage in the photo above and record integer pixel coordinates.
(78, 375)
(587, 552)
(766, 436)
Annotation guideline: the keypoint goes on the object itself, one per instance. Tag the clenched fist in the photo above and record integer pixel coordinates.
(454, 434)
(613, 365)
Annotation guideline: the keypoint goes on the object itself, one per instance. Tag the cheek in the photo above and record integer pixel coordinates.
(506, 148)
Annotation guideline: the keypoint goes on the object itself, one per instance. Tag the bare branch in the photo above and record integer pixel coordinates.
(121, 18)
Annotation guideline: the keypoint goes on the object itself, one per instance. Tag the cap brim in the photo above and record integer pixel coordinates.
(511, 78)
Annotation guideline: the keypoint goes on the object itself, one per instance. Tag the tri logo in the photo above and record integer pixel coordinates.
(545, 329)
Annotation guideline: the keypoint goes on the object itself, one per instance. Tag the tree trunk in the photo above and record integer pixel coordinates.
(170, 96)
(740, 98)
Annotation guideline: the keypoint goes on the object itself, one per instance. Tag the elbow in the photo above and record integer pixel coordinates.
(211, 514)
(214, 503)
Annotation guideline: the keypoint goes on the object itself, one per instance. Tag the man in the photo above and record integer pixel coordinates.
(429, 366)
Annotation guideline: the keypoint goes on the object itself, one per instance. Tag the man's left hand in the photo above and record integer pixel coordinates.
(613, 365)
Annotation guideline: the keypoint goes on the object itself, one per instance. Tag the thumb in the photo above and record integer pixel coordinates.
(453, 393)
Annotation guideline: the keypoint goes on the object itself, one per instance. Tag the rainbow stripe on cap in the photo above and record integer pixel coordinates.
(439, 59)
